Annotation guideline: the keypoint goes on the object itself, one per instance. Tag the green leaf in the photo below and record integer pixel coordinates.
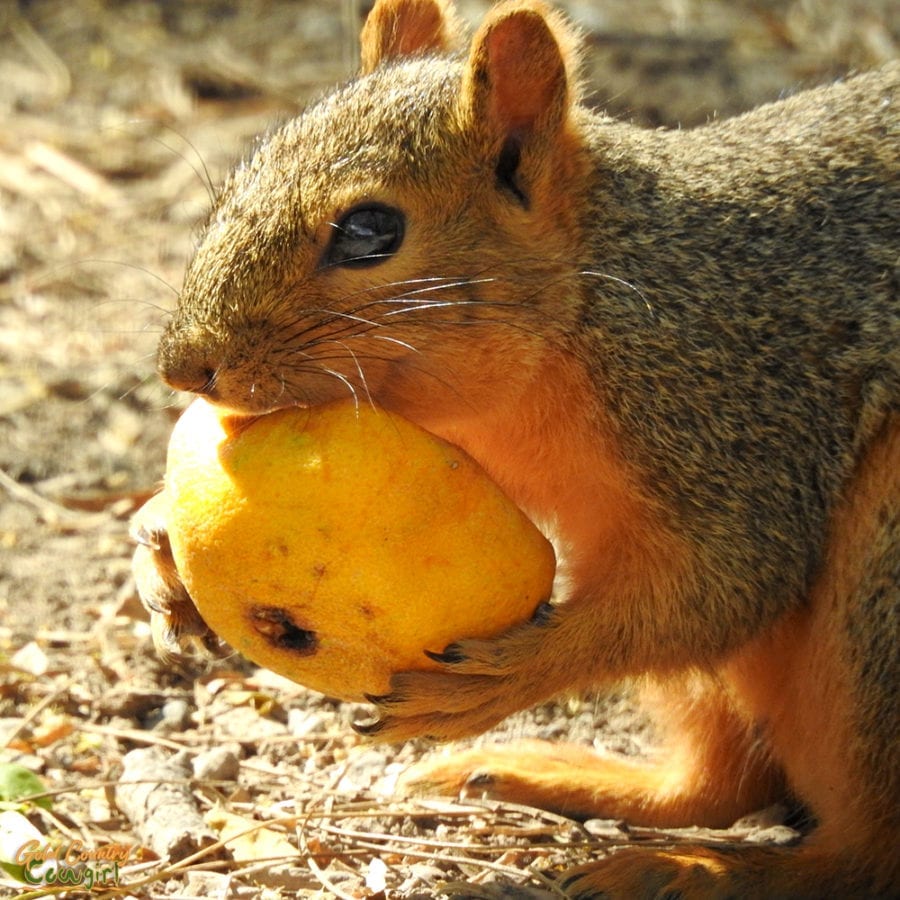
(17, 782)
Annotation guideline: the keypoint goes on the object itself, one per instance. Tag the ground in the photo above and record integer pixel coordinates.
(119, 117)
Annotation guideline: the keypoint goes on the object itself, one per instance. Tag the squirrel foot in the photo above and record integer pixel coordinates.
(568, 779)
(439, 706)
(690, 873)
(750, 872)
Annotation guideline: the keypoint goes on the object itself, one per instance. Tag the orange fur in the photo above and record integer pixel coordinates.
(402, 28)
(806, 679)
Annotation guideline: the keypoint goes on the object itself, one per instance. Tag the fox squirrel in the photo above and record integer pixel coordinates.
(680, 350)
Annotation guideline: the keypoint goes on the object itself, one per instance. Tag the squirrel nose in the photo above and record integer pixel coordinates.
(196, 380)
(185, 367)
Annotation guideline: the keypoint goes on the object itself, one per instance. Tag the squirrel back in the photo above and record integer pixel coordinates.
(744, 320)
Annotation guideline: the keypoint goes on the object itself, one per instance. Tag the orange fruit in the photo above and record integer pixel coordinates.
(335, 545)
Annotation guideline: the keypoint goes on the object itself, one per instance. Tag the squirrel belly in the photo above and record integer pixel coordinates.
(680, 350)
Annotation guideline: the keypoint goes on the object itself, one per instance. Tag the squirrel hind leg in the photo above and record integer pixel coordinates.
(711, 772)
(826, 682)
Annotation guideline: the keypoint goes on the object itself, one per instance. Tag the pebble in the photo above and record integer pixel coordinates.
(216, 764)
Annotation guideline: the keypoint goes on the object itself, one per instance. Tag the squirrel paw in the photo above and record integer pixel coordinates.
(478, 684)
(690, 873)
(176, 626)
(564, 778)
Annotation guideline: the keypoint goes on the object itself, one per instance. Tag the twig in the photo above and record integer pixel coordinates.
(34, 712)
(53, 513)
(323, 879)
(163, 812)
(133, 734)
(71, 172)
(43, 54)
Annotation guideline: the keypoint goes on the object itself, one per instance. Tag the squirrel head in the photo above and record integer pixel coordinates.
(409, 237)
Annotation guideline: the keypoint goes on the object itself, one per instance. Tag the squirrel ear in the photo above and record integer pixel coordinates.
(518, 76)
(397, 28)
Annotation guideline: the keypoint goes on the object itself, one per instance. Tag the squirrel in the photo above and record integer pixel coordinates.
(678, 349)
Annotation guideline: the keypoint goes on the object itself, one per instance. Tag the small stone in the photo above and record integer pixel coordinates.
(608, 828)
(216, 764)
(778, 835)
(173, 715)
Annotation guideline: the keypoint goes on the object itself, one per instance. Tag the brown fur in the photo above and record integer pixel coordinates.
(677, 351)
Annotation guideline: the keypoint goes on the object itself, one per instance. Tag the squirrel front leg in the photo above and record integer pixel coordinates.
(480, 682)
(612, 629)
(177, 627)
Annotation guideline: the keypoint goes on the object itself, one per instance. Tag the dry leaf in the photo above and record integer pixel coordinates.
(249, 839)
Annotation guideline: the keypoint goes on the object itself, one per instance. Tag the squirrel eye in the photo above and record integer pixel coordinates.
(365, 236)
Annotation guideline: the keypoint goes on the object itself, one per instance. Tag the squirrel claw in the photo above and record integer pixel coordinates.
(479, 682)
(144, 536)
(451, 655)
(543, 614)
(377, 699)
(368, 729)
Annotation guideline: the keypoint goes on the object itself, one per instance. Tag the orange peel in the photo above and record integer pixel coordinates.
(335, 545)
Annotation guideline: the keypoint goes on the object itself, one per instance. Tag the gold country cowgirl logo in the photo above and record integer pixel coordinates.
(72, 864)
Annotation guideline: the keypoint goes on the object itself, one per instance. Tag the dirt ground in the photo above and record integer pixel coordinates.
(117, 116)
